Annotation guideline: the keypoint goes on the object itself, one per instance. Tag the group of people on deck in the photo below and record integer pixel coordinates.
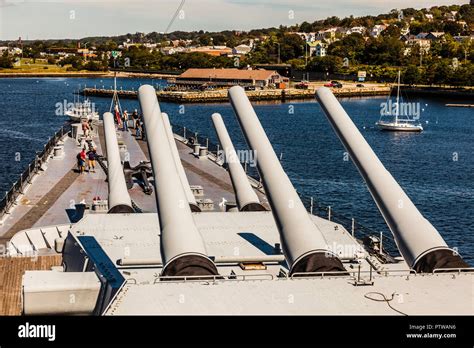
(126, 121)
(88, 154)
(88, 157)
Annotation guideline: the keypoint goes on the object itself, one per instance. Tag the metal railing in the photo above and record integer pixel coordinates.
(31, 170)
(315, 207)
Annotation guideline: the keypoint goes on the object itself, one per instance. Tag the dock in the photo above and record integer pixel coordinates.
(460, 105)
(220, 95)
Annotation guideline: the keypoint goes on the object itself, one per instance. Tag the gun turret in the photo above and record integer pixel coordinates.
(419, 242)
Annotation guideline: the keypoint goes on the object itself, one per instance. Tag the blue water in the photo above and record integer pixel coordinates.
(436, 167)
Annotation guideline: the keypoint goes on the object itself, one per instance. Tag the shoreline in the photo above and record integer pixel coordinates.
(371, 89)
(220, 96)
(89, 74)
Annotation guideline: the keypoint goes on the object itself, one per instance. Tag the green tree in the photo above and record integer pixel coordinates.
(412, 75)
(384, 51)
(442, 72)
(392, 31)
(297, 63)
(351, 46)
(6, 61)
(291, 46)
(453, 28)
(305, 27)
(329, 64)
(466, 12)
(75, 61)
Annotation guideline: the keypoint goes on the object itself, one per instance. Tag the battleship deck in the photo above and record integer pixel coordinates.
(132, 242)
(60, 186)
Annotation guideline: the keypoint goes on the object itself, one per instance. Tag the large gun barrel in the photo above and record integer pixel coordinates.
(183, 250)
(303, 244)
(119, 199)
(182, 175)
(419, 242)
(247, 199)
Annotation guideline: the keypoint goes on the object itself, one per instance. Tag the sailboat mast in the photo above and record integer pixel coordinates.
(398, 98)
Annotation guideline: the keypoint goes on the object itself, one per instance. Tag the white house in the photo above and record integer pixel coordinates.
(241, 49)
(360, 30)
(321, 49)
(377, 30)
(318, 48)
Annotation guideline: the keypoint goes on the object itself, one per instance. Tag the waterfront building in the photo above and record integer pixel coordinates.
(230, 77)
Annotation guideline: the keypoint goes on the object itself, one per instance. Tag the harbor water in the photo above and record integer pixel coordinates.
(436, 167)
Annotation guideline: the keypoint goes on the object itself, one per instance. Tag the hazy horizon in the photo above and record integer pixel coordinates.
(75, 19)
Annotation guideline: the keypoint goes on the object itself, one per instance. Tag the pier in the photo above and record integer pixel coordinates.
(220, 95)
(460, 105)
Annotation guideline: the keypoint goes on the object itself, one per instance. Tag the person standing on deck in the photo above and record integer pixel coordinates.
(81, 163)
(138, 129)
(91, 157)
(117, 116)
(85, 128)
(142, 124)
(125, 121)
(135, 118)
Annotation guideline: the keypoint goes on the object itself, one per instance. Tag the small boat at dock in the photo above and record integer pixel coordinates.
(82, 110)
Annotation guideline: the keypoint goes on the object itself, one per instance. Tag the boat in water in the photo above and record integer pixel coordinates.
(397, 121)
(82, 110)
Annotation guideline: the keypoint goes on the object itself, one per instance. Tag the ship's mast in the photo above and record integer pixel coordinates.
(115, 99)
(398, 98)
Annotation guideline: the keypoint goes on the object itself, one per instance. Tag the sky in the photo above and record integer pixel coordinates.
(60, 19)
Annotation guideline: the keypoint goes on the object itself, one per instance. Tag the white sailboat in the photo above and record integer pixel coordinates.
(398, 122)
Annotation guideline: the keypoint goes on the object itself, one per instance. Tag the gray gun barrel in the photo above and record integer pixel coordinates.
(183, 250)
(182, 175)
(303, 244)
(419, 242)
(247, 199)
(119, 199)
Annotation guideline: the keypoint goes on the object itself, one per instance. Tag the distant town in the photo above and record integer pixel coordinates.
(431, 46)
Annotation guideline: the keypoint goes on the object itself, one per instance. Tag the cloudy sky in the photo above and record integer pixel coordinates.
(51, 19)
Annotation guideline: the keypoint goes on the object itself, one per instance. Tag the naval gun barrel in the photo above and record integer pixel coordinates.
(419, 242)
(247, 199)
(303, 244)
(119, 200)
(182, 175)
(182, 248)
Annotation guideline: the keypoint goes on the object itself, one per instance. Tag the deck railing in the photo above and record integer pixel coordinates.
(31, 170)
